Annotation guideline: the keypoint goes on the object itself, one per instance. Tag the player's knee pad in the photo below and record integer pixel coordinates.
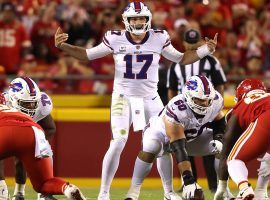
(178, 147)
(152, 146)
(120, 133)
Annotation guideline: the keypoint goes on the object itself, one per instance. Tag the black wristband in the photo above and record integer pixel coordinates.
(188, 177)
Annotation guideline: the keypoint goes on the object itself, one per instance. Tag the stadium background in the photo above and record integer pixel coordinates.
(80, 91)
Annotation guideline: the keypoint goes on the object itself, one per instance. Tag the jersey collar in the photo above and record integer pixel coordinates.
(132, 42)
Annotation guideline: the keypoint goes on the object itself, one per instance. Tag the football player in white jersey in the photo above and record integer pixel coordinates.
(182, 127)
(24, 95)
(136, 52)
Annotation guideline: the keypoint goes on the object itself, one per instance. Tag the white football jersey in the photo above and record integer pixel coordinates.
(136, 64)
(178, 111)
(45, 106)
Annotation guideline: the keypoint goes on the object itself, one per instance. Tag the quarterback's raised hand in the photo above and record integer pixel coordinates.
(60, 37)
(211, 43)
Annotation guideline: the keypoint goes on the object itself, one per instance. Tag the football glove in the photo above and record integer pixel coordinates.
(265, 165)
(215, 146)
(192, 192)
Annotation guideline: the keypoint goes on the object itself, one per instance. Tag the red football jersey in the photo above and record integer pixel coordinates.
(12, 117)
(12, 38)
(251, 107)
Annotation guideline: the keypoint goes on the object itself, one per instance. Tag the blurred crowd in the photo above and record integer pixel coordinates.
(27, 29)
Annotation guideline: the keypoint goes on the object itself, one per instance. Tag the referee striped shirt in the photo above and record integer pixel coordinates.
(208, 66)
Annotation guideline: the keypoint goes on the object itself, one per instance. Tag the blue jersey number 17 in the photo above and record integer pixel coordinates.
(148, 58)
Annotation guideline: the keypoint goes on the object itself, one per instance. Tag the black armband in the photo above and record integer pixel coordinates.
(219, 129)
(178, 147)
(188, 177)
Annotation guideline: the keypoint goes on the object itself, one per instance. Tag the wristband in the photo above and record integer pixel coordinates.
(203, 51)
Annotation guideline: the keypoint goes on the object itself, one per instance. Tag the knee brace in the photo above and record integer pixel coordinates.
(179, 149)
(152, 146)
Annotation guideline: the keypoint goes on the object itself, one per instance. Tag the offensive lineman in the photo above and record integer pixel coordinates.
(184, 126)
(38, 105)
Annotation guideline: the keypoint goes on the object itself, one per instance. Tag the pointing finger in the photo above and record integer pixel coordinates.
(215, 38)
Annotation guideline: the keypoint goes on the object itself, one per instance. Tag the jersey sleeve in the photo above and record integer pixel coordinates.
(174, 113)
(218, 102)
(171, 53)
(44, 108)
(105, 48)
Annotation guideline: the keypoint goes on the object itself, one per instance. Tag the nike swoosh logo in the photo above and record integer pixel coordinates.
(154, 98)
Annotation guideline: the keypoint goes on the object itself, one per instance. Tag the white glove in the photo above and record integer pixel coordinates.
(189, 190)
(215, 146)
(265, 165)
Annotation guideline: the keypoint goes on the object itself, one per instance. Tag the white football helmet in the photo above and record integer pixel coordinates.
(24, 95)
(137, 9)
(199, 87)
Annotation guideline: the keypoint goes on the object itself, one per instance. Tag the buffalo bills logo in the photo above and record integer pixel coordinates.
(191, 85)
(16, 87)
(126, 8)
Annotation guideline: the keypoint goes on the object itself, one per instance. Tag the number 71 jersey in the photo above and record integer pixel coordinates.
(136, 64)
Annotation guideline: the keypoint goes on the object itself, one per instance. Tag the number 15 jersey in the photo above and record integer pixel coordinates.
(136, 64)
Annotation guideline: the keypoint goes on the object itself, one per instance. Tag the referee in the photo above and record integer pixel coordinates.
(177, 76)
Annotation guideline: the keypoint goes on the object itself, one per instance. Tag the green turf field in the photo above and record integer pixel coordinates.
(151, 189)
(116, 194)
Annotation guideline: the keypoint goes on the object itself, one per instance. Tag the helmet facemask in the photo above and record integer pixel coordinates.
(198, 89)
(132, 12)
(24, 95)
(28, 107)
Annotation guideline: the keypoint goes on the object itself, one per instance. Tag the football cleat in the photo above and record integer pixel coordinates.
(172, 196)
(104, 196)
(4, 193)
(18, 196)
(45, 197)
(73, 193)
(133, 193)
(246, 193)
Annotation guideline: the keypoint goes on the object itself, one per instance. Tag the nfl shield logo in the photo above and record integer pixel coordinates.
(138, 47)
(122, 48)
(137, 112)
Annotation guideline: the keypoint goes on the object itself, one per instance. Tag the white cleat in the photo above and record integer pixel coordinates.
(133, 193)
(246, 193)
(72, 192)
(261, 194)
(172, 196)
(4, 195)
(104, 196)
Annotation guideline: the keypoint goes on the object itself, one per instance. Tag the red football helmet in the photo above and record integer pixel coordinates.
(248, 85)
